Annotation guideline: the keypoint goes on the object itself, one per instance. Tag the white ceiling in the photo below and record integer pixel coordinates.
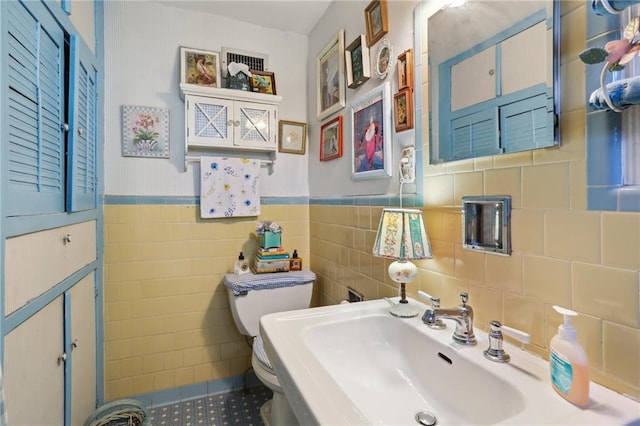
(299, 16)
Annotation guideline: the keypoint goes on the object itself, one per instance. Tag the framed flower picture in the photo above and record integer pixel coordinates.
(263, 82)
(331, 139)
(371, 138)
(330, 77)
(145, 132)
(199, 67)
(292, 137)
(403, 109)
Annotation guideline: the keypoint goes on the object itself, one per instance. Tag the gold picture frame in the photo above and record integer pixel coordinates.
(292, 137)
(375, 16)
(403, 109)
(263, 82)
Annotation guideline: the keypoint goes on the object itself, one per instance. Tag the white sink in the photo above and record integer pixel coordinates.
(356, 364)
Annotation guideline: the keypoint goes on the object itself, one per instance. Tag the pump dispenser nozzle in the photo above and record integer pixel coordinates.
(566, 330)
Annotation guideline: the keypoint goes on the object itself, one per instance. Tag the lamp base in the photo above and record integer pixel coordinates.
(403, 310)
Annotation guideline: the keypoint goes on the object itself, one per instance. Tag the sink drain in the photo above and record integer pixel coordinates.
(426, 418)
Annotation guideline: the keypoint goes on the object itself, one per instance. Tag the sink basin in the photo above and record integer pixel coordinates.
(356, 364)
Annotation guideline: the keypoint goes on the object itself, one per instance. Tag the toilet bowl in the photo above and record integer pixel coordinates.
(252, 296)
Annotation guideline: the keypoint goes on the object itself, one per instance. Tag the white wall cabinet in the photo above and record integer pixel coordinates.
(226, 119)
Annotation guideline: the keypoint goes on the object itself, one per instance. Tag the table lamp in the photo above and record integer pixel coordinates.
(402, 236)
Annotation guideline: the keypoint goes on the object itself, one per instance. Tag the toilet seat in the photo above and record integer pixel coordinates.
(261, 355)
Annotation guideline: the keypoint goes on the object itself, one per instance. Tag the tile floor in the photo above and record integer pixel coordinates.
(232, 408)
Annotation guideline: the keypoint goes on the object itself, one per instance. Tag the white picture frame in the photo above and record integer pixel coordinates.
(371, 134)
(330, 77)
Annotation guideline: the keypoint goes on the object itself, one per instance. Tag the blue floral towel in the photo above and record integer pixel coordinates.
(229, 187)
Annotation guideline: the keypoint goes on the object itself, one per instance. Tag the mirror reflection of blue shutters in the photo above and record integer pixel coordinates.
(475, 134)
(82, 161)
(34, 52)
(527, 123)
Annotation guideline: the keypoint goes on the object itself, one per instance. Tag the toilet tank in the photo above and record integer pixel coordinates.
(281, 292)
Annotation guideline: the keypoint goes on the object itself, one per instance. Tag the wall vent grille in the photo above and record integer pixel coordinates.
(255, 61)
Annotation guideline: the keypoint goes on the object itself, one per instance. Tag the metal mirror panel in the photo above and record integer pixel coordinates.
(486, 224)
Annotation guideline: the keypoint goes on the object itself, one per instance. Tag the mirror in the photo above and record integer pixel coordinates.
(493, 78)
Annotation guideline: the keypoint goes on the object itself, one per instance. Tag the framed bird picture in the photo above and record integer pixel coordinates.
(263, 82)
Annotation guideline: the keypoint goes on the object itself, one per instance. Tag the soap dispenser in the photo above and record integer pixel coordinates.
(568, 363)
(241, 266)
(295, 263)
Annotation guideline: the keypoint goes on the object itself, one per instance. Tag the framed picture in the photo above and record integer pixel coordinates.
(292, 137)
(331, 139)
(263, 82)
(330, 72)
(371, 138)
(405, 69)
(375, 16)
(403, 109)
(199, 67)
(356, 56)
(384, 59)
(145, 131)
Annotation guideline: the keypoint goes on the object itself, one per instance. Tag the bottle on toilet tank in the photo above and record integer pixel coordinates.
(568, 363)
(241, 265)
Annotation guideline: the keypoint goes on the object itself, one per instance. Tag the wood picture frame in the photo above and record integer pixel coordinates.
(292, 137)
(330, 77)
(331, 139)
(371, 134)
(263, 82)
(405, 69)
(357, 62)
(199, 67)
(375, 16)
(403, 109)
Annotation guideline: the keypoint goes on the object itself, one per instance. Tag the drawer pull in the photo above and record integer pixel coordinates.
(66, 239)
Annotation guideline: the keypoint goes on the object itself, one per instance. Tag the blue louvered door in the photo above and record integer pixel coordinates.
(81, 167)
(35, 87)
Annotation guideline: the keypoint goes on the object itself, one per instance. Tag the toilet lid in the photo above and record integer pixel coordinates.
(258, 349)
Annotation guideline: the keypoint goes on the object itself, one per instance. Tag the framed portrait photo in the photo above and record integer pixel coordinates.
(371, 137)
(292, 137)
(331, 139)
(375, 16)
(384, 59)
(263, 82)
(357, 61)
(199, 67)
(403, 109)
(330, 77)
(405, 69)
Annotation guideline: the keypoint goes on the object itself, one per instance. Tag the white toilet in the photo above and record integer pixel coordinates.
(252, 296)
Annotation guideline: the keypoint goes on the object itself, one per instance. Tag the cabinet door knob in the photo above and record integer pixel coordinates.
(81, 131)
(62, 358)
(75, 343)
(65, 127)
(66, 239)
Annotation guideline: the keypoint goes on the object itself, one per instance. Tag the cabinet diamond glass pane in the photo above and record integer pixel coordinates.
(210, 120)
(254, 125)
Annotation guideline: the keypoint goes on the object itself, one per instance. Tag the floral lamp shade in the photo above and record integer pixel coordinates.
(402, 236)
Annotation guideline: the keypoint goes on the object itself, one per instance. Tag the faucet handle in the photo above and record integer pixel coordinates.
(495, 352)
(464, 298)
(436, 323)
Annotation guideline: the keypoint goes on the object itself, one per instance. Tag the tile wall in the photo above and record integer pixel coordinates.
(167, 317)
(562, 254)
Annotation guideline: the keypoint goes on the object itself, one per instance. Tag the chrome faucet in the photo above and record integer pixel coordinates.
(462, 315)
